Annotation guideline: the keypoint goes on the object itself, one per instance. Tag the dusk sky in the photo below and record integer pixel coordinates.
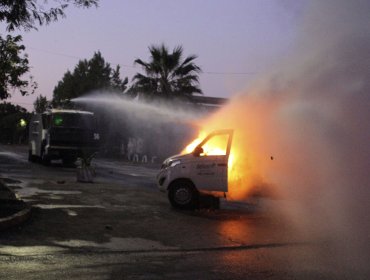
(235, 41)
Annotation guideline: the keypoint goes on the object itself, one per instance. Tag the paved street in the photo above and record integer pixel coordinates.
(122, 227)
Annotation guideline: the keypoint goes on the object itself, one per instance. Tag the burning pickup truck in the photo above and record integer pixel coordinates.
(202, 171)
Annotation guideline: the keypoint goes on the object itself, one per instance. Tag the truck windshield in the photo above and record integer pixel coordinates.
(74, 120)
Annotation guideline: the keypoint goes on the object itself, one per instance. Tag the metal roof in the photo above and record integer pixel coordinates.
(208, 100)
(70, 111)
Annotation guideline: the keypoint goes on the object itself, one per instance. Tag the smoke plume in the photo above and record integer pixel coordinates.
(304, 130)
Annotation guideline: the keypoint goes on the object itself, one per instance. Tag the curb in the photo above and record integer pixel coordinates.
(15, 219)
(6, 192)
(19, 210)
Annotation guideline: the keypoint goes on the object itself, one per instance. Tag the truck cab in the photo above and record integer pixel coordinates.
(203, 171)
(62, 134)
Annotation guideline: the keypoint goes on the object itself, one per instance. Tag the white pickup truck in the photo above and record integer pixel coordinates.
(204, 171)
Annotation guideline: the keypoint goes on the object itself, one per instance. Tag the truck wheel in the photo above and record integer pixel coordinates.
(183, 195)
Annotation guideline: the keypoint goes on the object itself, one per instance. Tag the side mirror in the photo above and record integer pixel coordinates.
(197, 151)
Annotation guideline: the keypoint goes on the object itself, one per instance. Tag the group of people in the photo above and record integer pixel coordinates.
(135, 150)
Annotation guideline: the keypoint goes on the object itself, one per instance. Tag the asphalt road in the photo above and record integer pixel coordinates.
(121, 227)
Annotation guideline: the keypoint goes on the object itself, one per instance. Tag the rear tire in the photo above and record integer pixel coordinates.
(183, 195)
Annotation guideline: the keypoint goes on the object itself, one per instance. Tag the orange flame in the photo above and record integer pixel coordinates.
(235, 172)
(210, 148)
(250, 150)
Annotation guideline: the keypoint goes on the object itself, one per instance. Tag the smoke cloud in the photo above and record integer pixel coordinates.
(304, 130)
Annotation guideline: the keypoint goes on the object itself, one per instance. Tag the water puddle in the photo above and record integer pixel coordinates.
(25, 192)
(8, 181)
(118, 244)
(56, 197)
(13, 156)
(135, 175)
(115, 244)
(29, 250)
(62, 206)
(70, 212)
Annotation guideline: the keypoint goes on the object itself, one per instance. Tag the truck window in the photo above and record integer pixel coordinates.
(84, 121)
(216, 145)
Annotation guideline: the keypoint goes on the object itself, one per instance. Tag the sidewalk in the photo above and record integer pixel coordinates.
(12, 210)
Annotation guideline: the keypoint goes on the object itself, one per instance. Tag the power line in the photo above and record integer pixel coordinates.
(73, 56)
(131, 66)
(229, 73)
(54, 53)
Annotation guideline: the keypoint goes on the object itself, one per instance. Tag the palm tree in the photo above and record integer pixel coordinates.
(167, 75)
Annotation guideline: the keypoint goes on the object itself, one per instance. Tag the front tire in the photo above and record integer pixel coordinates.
(183, 195)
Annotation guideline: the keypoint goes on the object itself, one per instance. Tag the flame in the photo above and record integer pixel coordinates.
(190, 148)
(235, 167)
(214, 148)
(250, 155)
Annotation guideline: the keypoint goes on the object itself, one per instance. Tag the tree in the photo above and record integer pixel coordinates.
(167, 75)
(41, 103)
(13, 65)
(13, 121)
(25, 14)
(89, 75)
(116, 82)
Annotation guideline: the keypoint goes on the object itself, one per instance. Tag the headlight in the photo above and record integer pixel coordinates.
(174, 163)
(170, 163)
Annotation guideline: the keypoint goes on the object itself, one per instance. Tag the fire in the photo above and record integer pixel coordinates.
(190, 148)
(210, 148)
(236, 174)
(250, 158)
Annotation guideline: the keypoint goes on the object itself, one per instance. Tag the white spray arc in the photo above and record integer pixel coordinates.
(161, 128)
(155, 112)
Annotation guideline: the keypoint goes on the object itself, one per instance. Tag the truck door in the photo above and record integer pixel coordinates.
(35, 135)
(211, 165)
